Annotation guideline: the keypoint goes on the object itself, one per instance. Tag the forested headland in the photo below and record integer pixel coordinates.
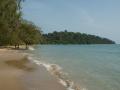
(15, 31)
(65, 37)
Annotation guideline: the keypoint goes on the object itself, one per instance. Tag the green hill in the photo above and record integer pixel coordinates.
(65, 37)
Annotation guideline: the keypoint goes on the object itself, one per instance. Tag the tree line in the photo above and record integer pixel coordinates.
(65, 37)
(14, 30)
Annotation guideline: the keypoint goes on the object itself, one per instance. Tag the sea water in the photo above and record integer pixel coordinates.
(91, 67)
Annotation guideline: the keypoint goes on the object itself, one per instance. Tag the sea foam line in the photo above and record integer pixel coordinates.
(56, 71)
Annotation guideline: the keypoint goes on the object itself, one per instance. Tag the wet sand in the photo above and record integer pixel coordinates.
(9, 75)
(18, 73)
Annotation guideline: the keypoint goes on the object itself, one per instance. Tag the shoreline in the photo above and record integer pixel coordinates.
(56, 71)
(18, 73)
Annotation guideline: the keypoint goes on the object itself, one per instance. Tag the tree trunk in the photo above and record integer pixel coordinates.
(18, 46)
(26, 46)
(15, 46)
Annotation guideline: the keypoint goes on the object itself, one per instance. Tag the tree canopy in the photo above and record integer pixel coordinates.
(13, 29)
(65, 37)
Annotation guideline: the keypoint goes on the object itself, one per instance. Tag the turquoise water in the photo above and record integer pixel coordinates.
(94, 67)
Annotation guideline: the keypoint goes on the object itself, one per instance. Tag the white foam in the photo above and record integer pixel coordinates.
(62, 82)
(57, 71)
(31, 48)
(84, 89)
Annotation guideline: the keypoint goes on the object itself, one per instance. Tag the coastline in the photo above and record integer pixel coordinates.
(18, 73)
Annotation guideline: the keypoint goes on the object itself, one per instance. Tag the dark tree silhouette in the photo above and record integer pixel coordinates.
(65, 37)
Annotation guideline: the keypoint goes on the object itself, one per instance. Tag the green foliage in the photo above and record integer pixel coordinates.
(29, 33)
(13, 29)
(65, 37)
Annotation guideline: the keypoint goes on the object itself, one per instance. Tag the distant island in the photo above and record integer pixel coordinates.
(65, 37)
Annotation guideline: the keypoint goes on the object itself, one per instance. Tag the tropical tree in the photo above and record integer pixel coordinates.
(29, 33)
(13, 29)
(10, 16)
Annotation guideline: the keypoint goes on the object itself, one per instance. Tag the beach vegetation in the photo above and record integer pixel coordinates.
(14, 30)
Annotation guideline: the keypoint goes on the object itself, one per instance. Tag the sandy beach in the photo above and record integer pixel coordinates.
(18, 73)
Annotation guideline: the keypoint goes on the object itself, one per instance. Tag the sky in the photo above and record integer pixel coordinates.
(97, 17)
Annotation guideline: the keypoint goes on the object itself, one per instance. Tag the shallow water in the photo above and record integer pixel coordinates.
(93, 67)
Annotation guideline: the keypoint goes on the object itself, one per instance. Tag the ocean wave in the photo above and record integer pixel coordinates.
(56, 71)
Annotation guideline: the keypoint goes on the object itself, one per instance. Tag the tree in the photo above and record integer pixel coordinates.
(10, 16)
(29, 33)
(13, 29)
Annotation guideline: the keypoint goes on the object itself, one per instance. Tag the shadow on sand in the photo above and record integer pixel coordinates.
(21, 64)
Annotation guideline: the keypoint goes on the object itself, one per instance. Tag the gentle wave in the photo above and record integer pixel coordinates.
(56, 71)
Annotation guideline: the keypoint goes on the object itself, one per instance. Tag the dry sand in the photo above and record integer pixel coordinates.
(17, 73)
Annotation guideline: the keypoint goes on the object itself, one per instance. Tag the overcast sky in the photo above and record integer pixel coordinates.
(99, 17)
